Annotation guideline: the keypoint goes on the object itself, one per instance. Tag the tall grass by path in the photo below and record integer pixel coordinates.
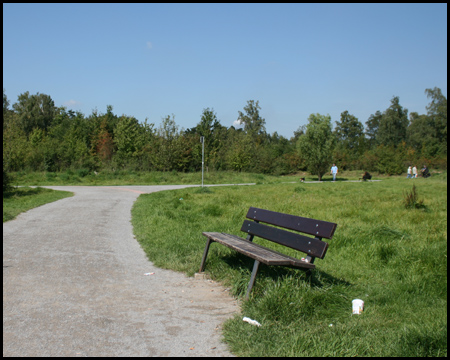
(393, 258)
(131, 177)
(19, 200)
(126, 177)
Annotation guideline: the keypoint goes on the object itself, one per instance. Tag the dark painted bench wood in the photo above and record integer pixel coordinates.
(313, 247)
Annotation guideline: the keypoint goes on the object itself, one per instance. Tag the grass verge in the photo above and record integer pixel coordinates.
(19, 200)
(125, 177)
(393, 258)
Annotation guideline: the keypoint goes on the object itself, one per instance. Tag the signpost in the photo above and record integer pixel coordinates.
(202, 140)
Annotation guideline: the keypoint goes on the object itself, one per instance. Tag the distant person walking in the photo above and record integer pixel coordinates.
(414, 172)
(334, 171)
(409, 173)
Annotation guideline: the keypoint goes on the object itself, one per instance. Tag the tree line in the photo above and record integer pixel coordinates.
(38, 136)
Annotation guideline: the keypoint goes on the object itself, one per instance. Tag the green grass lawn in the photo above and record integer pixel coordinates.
(393, 258)
(124, 177)
(19, 200)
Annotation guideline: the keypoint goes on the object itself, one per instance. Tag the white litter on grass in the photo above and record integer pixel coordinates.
(250, 321)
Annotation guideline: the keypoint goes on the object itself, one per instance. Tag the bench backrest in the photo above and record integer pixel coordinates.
(314, 247)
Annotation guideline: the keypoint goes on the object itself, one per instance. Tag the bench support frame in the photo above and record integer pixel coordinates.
(205, 254)
(252, 279)
(312, 247)
(254, 271)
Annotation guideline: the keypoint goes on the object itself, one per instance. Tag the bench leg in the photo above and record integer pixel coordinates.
(252, 279)
(205, 254)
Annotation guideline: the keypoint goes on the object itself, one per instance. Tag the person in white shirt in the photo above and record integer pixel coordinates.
(334, 171)
(409, 173)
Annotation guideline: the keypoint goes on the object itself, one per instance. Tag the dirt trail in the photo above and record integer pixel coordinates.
(74, 284)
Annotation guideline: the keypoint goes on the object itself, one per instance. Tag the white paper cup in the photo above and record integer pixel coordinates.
(357, 306)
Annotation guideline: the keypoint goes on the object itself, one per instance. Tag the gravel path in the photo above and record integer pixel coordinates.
(74, 285)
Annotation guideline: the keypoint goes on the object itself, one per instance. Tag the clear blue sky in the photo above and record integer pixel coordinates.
(154, 60)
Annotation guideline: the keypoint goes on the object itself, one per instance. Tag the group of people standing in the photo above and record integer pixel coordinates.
(411, 173)
(334, 171)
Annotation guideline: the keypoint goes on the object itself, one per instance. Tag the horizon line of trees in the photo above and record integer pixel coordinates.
(38, 136)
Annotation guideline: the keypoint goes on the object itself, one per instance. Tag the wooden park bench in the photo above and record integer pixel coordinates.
(313, 247)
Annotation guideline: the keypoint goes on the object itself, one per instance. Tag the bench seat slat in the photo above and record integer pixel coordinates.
(318, 228)
(256, 251)
(308, 245)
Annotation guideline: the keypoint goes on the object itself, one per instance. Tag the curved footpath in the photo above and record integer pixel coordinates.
(74, 285)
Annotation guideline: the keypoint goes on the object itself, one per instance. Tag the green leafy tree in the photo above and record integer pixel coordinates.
(128, 139)
(208, 127)
(6, 181)
(297, 133)
(255, 133)
(15, 145)
(35, 111)
(56, 136)
(372, 125)
(217, 159)
(349, 132)
(390, 159)
(254, 124)
(78, 141)
(421, 136)
(238, 157)
(393, 124)
(5, 103)
(146, 140)
(96, 120)
(437, 113)
(6, 110)
(317, 145)
(208, 123)
(350, 139)
(189, 158)
(276, 156)
(112, 120)
(166, 145)
(52, 155)
(104, 145)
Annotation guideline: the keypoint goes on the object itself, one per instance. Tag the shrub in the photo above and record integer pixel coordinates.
(82, 172)
(390, 160)
(6, 181)
(412, 200)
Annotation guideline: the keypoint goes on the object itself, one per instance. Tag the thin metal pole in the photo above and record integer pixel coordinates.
(202, 139)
